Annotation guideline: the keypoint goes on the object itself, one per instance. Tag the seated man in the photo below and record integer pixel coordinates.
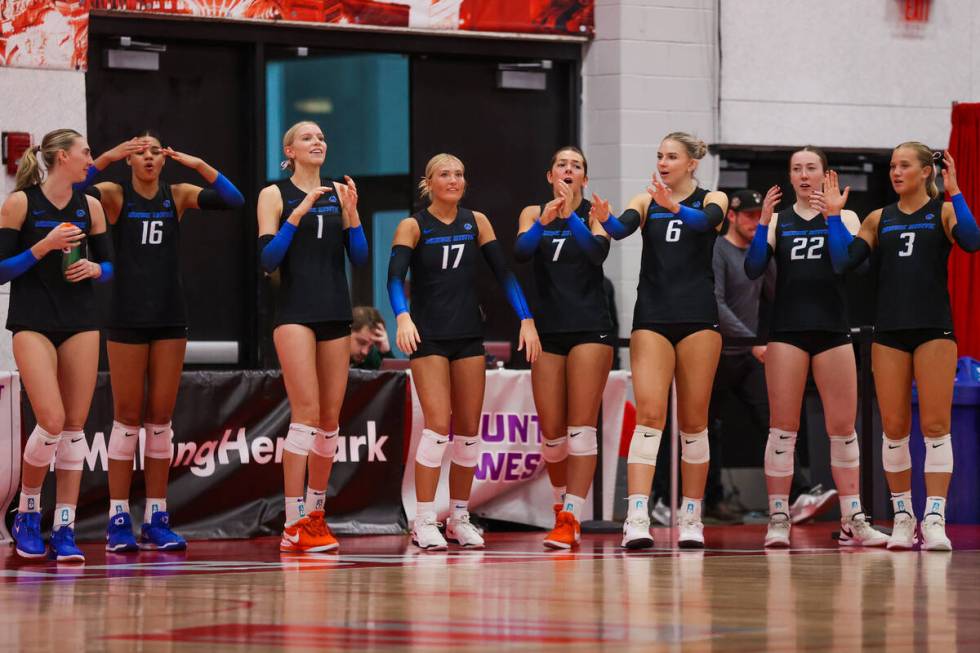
(368, 339)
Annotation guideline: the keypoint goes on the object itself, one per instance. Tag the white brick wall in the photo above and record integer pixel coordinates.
(652, 69)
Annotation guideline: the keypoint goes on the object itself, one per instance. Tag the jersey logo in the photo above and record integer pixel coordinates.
(166, 204)
(468, 226)
(930, 216)
(333, 198)
(38, 212)
(696, 205)
(80, 213)
(427, 231)
(291, 202)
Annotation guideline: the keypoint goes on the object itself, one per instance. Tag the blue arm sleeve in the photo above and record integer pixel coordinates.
(965, 231)
(586, 241)
(528, 241)
(401, 257)
(494, 254)
(90, 176)
(624, 225)
(757, 258)
(699, 220)
(100, 246)
(356, 243)
(274, 252)
(13, 267)
(838, 241)
(227, 192)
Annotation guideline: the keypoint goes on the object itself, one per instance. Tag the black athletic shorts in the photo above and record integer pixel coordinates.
(561, 344)
(57, 338)
(323, 331)
(676, 332)
(908, 340)
(144, 335)
(453, 349)
(812, 342)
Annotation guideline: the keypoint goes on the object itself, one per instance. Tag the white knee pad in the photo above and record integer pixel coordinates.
(71, 451)
(694, 447)
(895, 456)
(122, 441)
(159, 441)
(325, 443)
(299, 439)
(466, 450)
(41, 447)
(432, 448)
(644, 446)
(939, 454)
(554, 450)
(844, 451)
(582, 441)
(779, 453)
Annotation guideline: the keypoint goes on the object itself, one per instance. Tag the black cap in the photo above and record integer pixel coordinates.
(746, 200)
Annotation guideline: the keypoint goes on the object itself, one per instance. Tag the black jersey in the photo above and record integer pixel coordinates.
(677, 283)
(568, 294)
(443, 282)
(314, 272)
(809, 294)
(147, 290)
(41, 299)
(912, 255)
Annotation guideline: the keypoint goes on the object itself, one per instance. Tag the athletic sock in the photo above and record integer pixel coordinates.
(637, 505)
(849, 506)
(30, 499)
(936, 505)
(117, 506)
(295, 510)
(778, 503)
(573, 504)
(315, 499)
(691, 508)
(153, 506)
(64, 515)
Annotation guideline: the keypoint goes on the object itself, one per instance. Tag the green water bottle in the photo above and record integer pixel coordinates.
(70, 255)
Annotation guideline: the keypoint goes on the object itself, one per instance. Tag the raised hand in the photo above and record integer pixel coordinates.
(188, 160)
(380, 338)
(662, 195)
(133, 146)
(769, 204)
(949, 174)
(551, 210)
(600, 208)
(304, 207)
(565, 192)
(831, 198)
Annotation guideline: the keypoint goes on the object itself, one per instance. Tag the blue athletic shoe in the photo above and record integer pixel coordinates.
(119, 536)
(27, 535)
(157, 536)
(63, 547)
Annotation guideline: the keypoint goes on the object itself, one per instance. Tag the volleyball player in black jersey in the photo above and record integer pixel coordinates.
(305, 225)
(53, 318)
(567, 249)
(675, 329)
(913, 327)
(444, 336)
(147, 331)
(809, 331)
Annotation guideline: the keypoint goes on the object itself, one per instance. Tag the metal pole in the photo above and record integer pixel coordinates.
(674, 464)
(866, 392)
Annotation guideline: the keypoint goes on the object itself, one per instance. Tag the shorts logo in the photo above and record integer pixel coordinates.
(80, 213)
(468, 226)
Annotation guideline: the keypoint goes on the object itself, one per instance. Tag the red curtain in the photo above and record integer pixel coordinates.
(964, 269)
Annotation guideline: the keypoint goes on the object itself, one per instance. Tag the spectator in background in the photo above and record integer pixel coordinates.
(368, 339)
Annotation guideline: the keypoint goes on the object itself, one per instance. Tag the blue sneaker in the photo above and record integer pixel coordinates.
(157, 536)
(27, 535)
(119, 536)
(63, 547)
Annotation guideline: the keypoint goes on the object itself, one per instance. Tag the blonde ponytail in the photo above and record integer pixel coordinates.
(29, 169)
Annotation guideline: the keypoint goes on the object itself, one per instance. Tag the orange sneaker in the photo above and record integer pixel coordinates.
(309, 534)
(566, 533)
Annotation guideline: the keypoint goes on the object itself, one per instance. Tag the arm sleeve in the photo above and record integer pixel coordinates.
(846, 251)
(356, 243)
(624, 225)
(90, 176)
(494, 254)
(401, 257)
(13, 263)
(699, 220)
(275, 250)
(595, 248)
(527, 242)
(965, 231)
(221, 195)
(731, 325)
(101, 253)
(757, 258)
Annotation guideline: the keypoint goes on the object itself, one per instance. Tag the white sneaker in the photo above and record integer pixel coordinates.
(464, 533)
(903, 535)
(636, 533)
(934, 534)
(426, 534)
(856, 531)
(691, 533)
(777, 536)
(811, 504)
(661, 513)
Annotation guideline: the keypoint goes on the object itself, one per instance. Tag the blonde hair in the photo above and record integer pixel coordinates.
(430, 169)
(926, 158)
(696, 148)
(287, 140)
(29, 169)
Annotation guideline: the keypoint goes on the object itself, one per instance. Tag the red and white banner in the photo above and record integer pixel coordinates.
(9, 444)
(54, 33)
(511, 482)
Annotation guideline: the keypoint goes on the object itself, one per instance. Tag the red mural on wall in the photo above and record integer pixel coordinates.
(54, 33)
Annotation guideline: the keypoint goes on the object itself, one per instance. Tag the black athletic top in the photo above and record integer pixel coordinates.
(41, 299)
(444, 303)
(147, 290)
(677, 281)
(568, 294)
(912, 255)
(313, 273)
(809, 295)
